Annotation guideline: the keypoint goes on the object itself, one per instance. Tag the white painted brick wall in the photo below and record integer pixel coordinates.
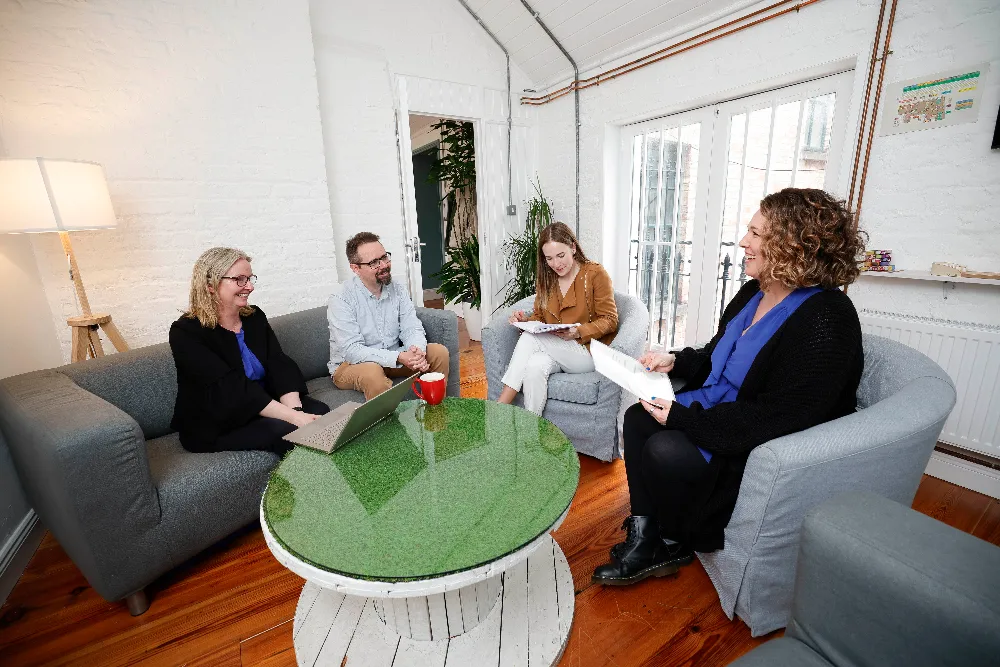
(205, 116)
(932, 195)
(358, 53)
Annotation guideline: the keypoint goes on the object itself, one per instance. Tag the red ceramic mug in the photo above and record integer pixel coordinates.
(431, 387)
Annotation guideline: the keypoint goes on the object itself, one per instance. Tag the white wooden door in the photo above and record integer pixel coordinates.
(691, 182)
(790, 137)
(408, 201)
(666, 164)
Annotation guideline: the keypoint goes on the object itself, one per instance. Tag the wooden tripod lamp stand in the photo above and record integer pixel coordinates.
(43, 195)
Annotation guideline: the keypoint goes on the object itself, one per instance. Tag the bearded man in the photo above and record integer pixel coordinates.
(374, 331)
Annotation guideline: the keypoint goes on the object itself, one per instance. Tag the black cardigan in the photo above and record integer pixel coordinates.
(214, 395)
(806, 374)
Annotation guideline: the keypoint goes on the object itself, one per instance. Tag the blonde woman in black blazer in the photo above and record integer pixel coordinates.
(236, 389)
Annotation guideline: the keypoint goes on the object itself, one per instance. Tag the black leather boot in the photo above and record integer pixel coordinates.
(642, 554)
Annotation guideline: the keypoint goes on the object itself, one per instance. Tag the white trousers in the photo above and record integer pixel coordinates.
(537, 356)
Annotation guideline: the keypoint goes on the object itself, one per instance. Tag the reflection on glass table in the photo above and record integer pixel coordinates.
(437, 507)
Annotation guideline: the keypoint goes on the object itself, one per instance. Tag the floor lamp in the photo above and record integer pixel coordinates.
(43, 195)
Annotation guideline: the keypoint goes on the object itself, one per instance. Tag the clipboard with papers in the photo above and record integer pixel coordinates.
(542, 327)
(629, 374)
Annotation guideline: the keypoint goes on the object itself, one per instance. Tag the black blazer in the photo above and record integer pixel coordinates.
(214, 395)
(806, 374)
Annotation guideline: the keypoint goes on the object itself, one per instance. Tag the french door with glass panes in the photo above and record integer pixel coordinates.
(694, 181)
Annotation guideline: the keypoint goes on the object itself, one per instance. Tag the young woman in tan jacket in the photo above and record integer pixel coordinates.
(569, 289)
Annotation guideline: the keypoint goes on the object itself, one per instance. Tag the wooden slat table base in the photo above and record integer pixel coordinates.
(531, 616)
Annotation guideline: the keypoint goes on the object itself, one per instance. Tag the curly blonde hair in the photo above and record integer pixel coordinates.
(208, 271)
(810, 239)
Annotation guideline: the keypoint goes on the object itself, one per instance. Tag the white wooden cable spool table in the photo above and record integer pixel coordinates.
(426, 541)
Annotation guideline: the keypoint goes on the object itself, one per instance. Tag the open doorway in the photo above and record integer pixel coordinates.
(444, 185)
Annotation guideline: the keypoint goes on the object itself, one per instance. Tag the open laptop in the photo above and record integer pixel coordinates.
(338, 427)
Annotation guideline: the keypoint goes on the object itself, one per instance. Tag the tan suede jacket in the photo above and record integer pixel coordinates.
(590, 301)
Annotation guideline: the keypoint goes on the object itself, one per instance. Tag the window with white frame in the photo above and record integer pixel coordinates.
(694, 181)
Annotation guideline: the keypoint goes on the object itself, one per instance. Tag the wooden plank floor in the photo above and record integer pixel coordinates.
(233, 604)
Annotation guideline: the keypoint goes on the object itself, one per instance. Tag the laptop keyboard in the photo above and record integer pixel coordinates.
(327, 438)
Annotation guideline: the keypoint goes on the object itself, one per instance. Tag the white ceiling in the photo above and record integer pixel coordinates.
(593, 31)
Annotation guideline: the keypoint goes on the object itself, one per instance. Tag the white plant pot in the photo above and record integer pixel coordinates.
(455, 308)
(473, 321)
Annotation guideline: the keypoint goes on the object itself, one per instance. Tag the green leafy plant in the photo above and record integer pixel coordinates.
(521, 252)
(455, 166)
(459, 275)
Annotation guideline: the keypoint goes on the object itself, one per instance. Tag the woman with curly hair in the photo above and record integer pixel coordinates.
(787, 356)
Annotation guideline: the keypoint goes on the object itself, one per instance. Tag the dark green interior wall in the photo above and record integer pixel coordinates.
(428, 217)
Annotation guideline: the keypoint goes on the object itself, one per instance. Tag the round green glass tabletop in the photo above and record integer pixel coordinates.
(434, 489)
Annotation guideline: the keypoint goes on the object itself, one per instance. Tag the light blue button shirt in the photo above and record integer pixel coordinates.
(364, 327)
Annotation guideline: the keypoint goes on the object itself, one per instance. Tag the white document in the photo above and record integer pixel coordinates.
(542, 327)
(629, 374)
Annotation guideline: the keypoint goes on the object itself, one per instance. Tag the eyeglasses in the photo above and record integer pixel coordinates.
(241, 281)
(378, 261)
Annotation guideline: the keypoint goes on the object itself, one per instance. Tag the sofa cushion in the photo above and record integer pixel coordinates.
(305, 337)
(204, 497)
(141, 382)
(323, 389)
(574, 387)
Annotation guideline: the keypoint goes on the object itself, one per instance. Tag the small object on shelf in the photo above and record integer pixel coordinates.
(878, 260)
(947, 269)
(985, 275)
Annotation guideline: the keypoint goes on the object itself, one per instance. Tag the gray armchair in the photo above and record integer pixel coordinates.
(585, 406)
(93, 449)
(882, 585)
(903, 401)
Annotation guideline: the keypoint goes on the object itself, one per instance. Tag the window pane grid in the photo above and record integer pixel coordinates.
(794, 152)
(664, 179)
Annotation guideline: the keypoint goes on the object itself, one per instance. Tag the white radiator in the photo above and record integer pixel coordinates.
(970, 354)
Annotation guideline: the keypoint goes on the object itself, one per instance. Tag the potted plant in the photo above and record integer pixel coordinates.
(459, 276)
(521, 252)
(455, 167)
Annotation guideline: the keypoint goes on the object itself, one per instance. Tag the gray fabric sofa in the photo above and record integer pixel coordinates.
(95, 454)
(882, 585)
(903, 401)
(587, 407)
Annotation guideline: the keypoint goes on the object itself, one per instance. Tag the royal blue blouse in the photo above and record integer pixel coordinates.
(251, 364)
(736, 351)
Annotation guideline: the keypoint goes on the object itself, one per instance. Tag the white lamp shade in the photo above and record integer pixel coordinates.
(42, 195)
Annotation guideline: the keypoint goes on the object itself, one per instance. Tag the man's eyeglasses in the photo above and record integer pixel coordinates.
(377, 262)
(241, 281)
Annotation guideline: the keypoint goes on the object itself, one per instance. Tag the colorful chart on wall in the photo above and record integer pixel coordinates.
(938, 100)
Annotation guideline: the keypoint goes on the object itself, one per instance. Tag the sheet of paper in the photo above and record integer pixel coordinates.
(542, 327)
(629, 374)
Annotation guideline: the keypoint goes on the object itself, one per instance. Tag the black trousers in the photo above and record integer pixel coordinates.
(668, 478)
(265, 433)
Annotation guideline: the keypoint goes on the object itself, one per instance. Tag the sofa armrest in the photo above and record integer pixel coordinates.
(499, 339)
(83, 465)
(880, 584)
(441, 327)
(883, 449)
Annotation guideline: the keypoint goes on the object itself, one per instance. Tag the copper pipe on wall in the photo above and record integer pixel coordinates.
(598, 76)
(657, 56)
(864, 106)
(878, 95)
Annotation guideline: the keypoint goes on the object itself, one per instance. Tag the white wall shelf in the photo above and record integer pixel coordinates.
(909, 274)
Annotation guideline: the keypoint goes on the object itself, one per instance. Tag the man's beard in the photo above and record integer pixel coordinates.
(383, 280)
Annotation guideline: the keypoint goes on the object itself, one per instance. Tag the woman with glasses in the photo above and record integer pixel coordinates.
(236, 389)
